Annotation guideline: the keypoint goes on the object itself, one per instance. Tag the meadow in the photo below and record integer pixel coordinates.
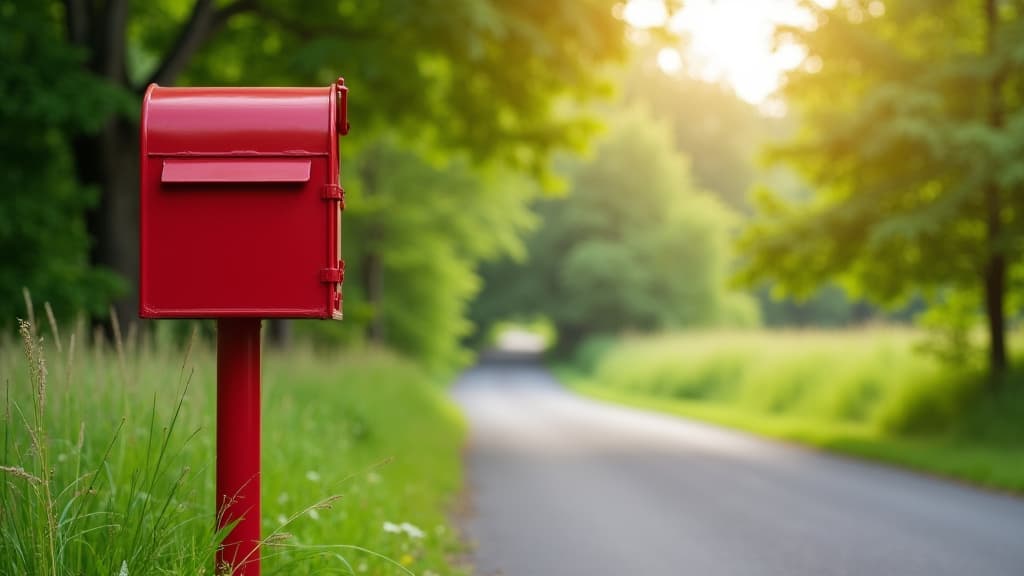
(108, 459)
(871, 393)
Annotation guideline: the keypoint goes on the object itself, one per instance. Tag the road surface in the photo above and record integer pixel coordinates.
(565, 486)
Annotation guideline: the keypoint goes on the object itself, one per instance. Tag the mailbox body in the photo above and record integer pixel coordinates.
(240, 203)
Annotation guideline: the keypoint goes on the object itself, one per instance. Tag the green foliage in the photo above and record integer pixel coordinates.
(476, 76)
(123, 475)
(632, 246)
(47, 99)
(869, 378)
(829, 306)
(591, 351)
(951, 322)
(92, 481)
(862, 392)
(738, 310)
(911, 145)
(431, 223)
(478, 81)
(385, 438)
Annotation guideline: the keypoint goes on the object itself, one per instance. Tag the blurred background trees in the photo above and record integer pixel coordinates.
(562, 159)
(912, 147)
(47, 101)
(632, 245)
(447, 76)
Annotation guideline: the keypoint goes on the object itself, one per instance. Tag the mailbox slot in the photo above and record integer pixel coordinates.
(213, 171)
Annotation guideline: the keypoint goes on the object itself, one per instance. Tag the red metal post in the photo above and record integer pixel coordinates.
(238, 444)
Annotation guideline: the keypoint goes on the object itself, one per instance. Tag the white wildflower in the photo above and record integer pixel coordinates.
(406, 528)
(313, 514)
(362, 567)
(312, 476)
(282, 519)
(373, 478)
(282, 498)
(412, 531)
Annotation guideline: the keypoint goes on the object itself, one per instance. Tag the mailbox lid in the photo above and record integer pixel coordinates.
(239, 121)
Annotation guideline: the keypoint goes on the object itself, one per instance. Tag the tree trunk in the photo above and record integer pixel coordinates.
(373, 288)
(279, 333)
(995, 267)
(995, 292)
(109, 162)
(372, 265)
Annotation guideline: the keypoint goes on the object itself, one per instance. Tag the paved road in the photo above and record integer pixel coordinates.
(565, 486)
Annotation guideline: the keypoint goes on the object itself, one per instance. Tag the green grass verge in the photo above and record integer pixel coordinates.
(863, 393)
(108, 462)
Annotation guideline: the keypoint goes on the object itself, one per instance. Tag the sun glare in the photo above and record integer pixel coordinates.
(727, 41)
(670, 60)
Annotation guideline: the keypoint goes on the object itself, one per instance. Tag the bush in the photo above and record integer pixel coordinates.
(870, 378)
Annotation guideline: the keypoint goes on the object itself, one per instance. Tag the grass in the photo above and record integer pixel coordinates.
(867, 393)
(108, 454)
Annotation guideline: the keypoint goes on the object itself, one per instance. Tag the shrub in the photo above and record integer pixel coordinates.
(868, 377)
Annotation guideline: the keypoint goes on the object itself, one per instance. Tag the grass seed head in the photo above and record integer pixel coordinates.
(327, 503)
(19, 472)
(278, 539)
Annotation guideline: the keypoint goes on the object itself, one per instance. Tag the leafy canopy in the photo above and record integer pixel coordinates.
(898, 148)
(47, 98)
(431, 224)
(486, 77)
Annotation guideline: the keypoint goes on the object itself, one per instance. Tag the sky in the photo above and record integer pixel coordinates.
(728, 41)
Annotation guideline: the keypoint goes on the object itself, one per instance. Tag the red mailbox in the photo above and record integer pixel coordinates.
(240, 202)
(241, 220)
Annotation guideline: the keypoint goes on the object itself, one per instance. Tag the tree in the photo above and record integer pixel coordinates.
(633, 246)
(430, 223)
(46, 97)
(912, 139)
(470, 74)
(722, 135)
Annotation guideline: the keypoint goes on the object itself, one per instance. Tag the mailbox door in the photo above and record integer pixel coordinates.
(241, 236)
(241, 229)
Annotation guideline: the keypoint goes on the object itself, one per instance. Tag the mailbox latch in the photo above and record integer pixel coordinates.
(333, 275)
(334, 192)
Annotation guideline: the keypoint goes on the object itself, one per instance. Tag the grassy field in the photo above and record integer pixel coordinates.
(108, 461)
(866, 393)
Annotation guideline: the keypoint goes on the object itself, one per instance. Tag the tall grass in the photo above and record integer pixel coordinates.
(871, 377)
(107, 460)
(372, 428)
(868, 391)
(100, 470)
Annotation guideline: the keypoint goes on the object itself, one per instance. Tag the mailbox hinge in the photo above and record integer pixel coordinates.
(333, 275)
(334, 192)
